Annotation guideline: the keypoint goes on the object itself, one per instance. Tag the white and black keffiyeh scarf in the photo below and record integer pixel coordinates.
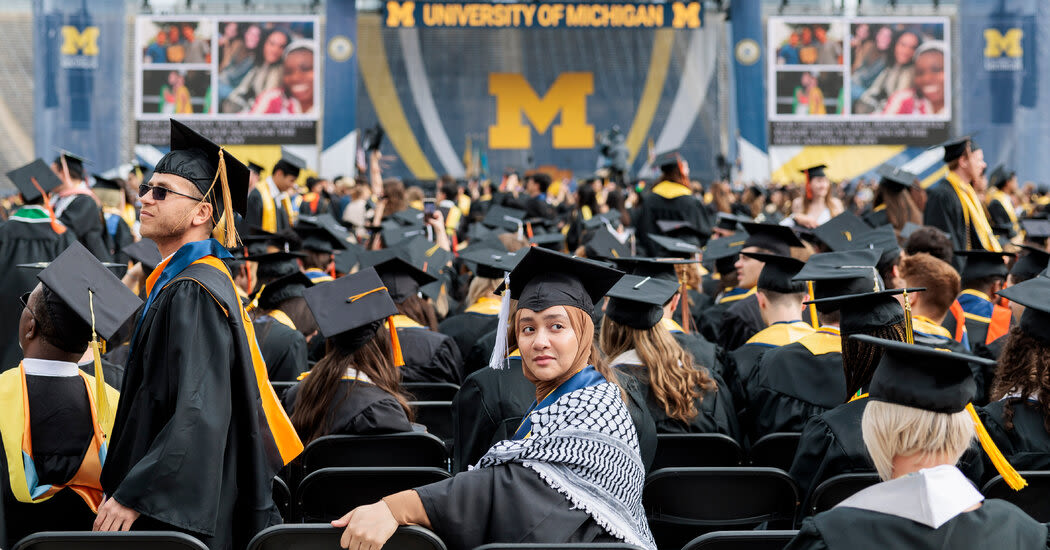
(585, 446)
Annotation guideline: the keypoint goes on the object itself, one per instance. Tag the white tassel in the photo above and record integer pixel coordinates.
(498, 360)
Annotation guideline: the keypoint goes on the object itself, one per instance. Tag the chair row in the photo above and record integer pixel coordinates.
(417, 391)
(776, 450)
(323, 536)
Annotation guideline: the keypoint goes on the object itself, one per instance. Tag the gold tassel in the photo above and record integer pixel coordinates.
(1010, 475)
(227, 221)
(101, 399)
(909, 333)
(255, 300)
(395, 343)
(812, 307)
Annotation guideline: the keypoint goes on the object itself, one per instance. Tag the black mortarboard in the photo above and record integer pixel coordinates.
(657, 268)
(611, 217)
(778, 273)
(430, 256)
(551, 241)
(544, 279)
(676, 247)
(400, 276)
(145, 252)
(266, 293)
(983, 263)
(881, 239)
(667, 158)
(922, 377)
(345, 260)
(839, 232)
(723, 253)
(255, 167)
(292, 159)
(320, 239)
(350, 303)
(411, 217)
(838, 274)
(1036, 228)
(681, 230)
(490, 263)
(604, 244)
(1000, 175)
(395, 233)
(638, 302)
(1033, 262)
(1033, 295)
(732, 222)
(75, 274)
(106, 183)
(507, 219)
(895, 177)
(814, 171)
(274, 257)
(37, 170)
(956, 147)
(196, 158)
(477, 232)
(772, 237)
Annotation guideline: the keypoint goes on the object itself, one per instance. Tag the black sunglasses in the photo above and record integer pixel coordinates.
(161, 193)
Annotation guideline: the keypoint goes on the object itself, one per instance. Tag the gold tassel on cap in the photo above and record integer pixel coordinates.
(1010, 475)
(909, 332)
(101, 399)
(225, 229)
(812, 307)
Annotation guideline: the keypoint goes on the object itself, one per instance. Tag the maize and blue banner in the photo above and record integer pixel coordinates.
(338, 143)
(79, 74)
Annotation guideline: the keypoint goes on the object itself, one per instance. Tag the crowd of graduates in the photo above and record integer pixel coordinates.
(893, 327)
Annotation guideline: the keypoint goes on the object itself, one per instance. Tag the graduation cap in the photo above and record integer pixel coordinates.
(682, 230)
(1036, 228)
(477, 232)
(321, 239)
(841, 274)
(1033, 295)
(773, 237)
(274, 257)
(983, 263)
(144, 251)
(731, 222)
(265, 295)
(667, 159)
(212, 170)
(293, 160)
(1000, 175)
(882, 239)
(409, 217)
(676, 247)
(491, 264)
(722, 253)
(638, 302)
(778, 273)
(957, 147)
(507, 219)
(33, 179)
(896, 177)
(107, 183)
(345, 260)
(839, 232)
(551, 241)
(72, 162)
(394, 233)
(401, 277)
(611, 217)
(603, 244)
(657, 268)
(350, 303)
(544, 279)
(255, 167)
(427, 254)
(814, 171)
(1033, 262)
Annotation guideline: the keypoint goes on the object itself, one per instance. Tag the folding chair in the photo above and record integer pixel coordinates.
(1033, 499)
(408, 449)
(684, 503)
(321, 536)
(280, 387)
(120, 540)
(282, 496)
(742, 540)
(776, 450)
(696, 450)
(837, 489)
(430, 391)
(437, 417)
(567, 546)
(329, 493)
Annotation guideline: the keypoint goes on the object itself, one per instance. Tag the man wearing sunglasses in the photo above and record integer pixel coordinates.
(197, 437)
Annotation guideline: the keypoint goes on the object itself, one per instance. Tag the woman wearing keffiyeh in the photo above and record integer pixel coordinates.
(572, 471)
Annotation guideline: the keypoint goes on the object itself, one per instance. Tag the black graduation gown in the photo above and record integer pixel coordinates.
(466, 328)
(715, 408)
(791, 384)
(876, 217)
(429, 356)
(740, 322)
(283, 349)
(739, 364)
(253, 215)
(120, 237)
(945, 212)
(60, 420)
(359, 408)
(187, 450)
(1027, 445)
(704, 353)
(656, 207)
(84, 218)
(113, 372)
(22, 243)
(508, 503)
(480, 353)
(535, 207)
(491, 403)
(998, 217)
(996, 524)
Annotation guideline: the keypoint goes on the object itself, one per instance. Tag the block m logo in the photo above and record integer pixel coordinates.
(83, 42)
(997, 44)
(514, 97)
(686, 16)
(400, 14)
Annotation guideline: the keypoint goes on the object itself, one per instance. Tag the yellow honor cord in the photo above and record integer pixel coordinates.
(812, 307)
(357, 297)
(101, 399)
(1010, 475)
(255, 301)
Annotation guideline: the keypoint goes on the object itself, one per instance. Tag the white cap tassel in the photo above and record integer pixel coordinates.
(498, 360)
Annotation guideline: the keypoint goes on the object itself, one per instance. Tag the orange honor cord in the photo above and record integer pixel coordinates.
(55, 225)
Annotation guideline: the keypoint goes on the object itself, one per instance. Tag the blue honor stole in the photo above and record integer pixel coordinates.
(587, 377)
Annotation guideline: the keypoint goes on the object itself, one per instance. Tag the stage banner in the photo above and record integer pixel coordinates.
(1003, 97)
(239, 80)
(749, 82)
(859, 80)
(78, 71)
(516, 98)
(338, 146)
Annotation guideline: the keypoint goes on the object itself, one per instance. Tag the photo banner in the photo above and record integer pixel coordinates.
(859, 80)
(78, 68)
(611, 15)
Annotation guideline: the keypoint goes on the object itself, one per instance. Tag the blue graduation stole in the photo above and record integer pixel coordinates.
(587, 377)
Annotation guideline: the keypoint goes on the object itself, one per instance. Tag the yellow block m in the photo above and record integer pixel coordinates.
(686, 15)
(997, 44)
(74, 41)
(400, 14)
(568, 96)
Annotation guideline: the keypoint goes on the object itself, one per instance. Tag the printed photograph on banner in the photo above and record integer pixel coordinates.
(899, 68)
(816, 42)
(809, 93)
(267, 67)
(176, 91)
(163, 42)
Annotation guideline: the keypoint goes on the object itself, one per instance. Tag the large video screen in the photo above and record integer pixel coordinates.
(240, 80)
(859, 81)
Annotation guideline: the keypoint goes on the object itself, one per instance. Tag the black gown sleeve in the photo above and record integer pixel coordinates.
(383, 416)
(808, 538)
(448, 360)
(85, 219)
(807, 469)
(473, 425)
(175, 480)
(253, 212)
